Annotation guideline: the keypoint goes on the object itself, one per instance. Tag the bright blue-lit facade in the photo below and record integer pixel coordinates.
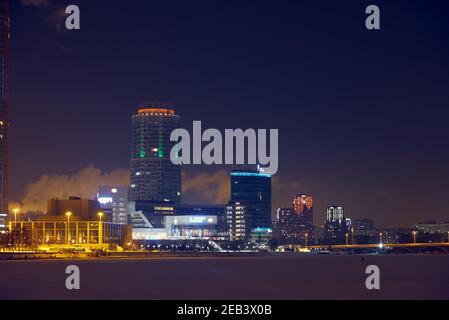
(250, 174)
(253, 189)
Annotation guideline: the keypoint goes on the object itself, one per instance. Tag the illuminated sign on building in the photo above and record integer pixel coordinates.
(105, 200)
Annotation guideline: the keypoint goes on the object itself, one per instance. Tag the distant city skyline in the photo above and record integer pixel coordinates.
(358, 127)
(222, 150)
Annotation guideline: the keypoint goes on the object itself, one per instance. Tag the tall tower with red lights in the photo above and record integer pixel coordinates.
(303, 207)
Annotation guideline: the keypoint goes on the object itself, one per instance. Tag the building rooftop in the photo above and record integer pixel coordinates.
(240, 173)
(157, 107)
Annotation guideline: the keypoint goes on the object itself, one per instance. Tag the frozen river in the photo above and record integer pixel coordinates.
(250, 278)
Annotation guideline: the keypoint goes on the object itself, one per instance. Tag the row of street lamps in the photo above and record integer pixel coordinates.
(414, 234)
(101, 214)
(68, 215)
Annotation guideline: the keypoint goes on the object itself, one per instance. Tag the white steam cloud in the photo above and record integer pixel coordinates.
(82, 184)
(211, 188)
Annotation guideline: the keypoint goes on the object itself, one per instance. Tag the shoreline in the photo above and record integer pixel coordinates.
(162, 255)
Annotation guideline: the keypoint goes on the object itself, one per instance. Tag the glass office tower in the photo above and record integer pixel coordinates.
(253, 189)
(303, 206)
(153, 176)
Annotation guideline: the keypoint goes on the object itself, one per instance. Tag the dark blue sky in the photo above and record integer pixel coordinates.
(362, 114)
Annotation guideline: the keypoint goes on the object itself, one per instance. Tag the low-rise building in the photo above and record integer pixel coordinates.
(71, 232)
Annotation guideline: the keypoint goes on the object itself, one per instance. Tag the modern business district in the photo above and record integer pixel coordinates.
(149, 215)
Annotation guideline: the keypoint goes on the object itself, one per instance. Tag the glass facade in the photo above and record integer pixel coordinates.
(153, 176)
(5, 36)
(194, 227)
(253, 190)
(63, 233)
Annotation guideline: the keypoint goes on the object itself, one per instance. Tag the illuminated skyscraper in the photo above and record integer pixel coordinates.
(335, 215)
(5, 36)
(253, 189)
(153, 176)
(335, 227)
(303, 206)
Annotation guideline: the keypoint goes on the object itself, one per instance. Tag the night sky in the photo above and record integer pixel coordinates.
(363, 115)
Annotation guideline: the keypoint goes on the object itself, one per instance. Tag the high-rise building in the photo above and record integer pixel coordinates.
(336, 225)
(235, 220)
(153, 176)
(288, 229)
(114, 203)
(253, 189)
(348, 222)
(303, 206)
(335, 215)
(5, 37)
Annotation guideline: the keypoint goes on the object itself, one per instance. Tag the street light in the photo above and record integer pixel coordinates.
(68, 214)
(100, 227)
(307, 238)
(16, 211)
(414, 236)
(380, 237)
(347, 239)
(353, 235)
